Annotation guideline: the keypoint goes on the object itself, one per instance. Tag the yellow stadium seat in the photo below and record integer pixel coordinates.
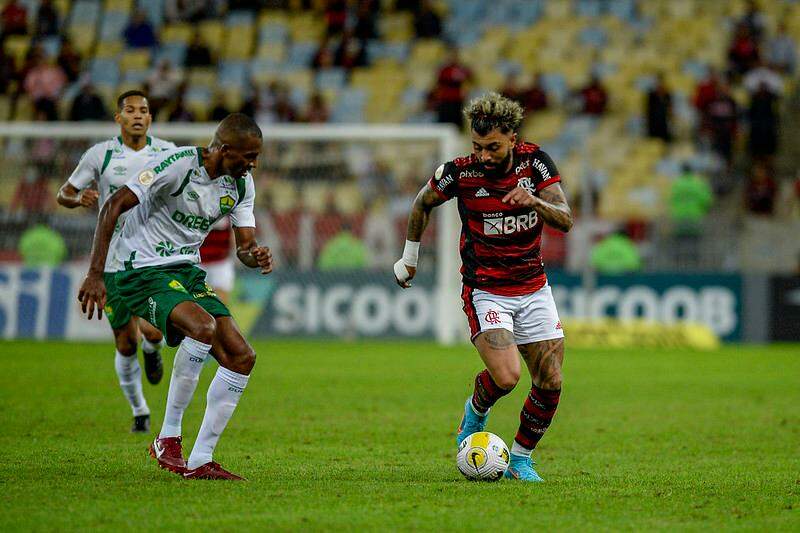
(315, 196)
(397, 27)
(123, 6)
(17, 46)
(274, 51)
(239, 43)
(62, 6)
(428, 52)
(347, 199)
(205, 77)
(233, 98)
(108, 50)
(306, 27)
(302, 79)
(176, 33)
(82, 37)
(134, 60)
(5, 107)
(199, 109)
(272, 16)
(283, 194)
(213, 33)
(24, 108)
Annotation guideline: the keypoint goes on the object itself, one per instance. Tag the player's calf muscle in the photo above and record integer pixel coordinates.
(544, 360)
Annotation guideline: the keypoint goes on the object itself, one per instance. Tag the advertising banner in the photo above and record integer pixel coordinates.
(42, 303)
(785, 315)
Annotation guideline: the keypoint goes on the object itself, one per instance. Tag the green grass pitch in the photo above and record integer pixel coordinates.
(360, 436)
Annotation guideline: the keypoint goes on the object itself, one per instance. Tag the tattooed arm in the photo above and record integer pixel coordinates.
(420, 214)
(550, 204)
(406, 268)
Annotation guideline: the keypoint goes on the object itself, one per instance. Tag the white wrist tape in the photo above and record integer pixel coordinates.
(411, 253)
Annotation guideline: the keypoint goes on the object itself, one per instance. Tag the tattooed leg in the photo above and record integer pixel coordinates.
(501, 357)
(544, 360)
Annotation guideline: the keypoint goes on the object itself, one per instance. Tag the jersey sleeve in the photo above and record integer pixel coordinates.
(443, 182)
(544, 170)
(242, 214)
(150, 182)
(88, 169)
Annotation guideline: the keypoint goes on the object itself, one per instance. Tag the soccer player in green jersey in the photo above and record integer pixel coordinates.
(174, 203)
(107, 165)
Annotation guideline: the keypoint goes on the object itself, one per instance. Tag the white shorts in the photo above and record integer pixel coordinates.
(220, 274)
(531, 317)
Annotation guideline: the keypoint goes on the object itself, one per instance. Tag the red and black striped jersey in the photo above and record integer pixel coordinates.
(217, 246)
(500, 243)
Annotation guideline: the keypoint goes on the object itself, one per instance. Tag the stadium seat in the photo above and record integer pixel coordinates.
(122, 6)
(213, 34)
(180, 33)
(5, 107)
(84, 13)
(104, 72)
(138, 59)
(82, 37)
(17, 47)
(233, 73)
(239, 43)
(113, 25)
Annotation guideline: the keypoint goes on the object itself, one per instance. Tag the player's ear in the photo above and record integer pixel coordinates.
(513, 139)
(117, 118)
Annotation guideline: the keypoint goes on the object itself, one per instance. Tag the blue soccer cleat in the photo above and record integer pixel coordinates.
(471, 423)
(520, 467)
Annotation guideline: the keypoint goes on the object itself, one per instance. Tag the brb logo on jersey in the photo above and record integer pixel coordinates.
(508, 225)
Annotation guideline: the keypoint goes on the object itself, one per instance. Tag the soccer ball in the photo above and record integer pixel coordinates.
(482, 456)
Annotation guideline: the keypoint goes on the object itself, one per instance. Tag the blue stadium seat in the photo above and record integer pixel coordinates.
(51, 45)
(113, 25)
(135, 77)
(154, 10)
(589, 8)
(175, 52)
(593, 36)
(85, 12)
(349, 106)
(233, 73)
(240, 18)
(331, 78)
(301, 54)
(104, 72)
(273, 32)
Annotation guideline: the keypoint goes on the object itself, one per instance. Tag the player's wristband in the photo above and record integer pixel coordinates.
(411, 253)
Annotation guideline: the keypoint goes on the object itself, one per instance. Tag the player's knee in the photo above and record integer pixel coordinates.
(508, 378)
(245, 360)
(552, 381)
(126, 345)
(204, 330)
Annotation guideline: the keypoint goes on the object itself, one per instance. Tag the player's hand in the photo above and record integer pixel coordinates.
(403, 274)
(89, 197)
(92, 295)
(263, 257)
(521, 197)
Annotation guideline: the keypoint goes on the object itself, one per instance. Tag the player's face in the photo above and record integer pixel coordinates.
(240, 158)
(134, 118)
(493, 150)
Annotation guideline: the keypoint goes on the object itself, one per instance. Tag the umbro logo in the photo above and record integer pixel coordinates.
(482, 193)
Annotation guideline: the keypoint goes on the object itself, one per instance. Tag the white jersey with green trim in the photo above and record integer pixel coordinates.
(111, 164)
(178, 204)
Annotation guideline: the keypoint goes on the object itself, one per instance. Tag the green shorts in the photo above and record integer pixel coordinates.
(116, 311)
(153, 292)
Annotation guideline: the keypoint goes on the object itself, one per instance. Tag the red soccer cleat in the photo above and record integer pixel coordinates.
(169, 454)
(211, 470)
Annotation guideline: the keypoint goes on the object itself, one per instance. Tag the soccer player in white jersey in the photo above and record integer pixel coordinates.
(108, 165)
(177, 200)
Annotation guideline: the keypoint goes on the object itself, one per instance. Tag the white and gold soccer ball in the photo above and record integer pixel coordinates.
(482, 456)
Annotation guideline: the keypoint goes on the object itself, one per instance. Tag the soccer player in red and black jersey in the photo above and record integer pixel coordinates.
(216, 259)
(506, 190)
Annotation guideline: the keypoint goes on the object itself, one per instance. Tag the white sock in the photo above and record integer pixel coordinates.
(149, 347)
(223, 396)
(130, 381)
(185, 374)
(518, 449)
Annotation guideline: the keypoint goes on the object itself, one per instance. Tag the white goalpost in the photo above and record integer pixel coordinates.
(299, 156)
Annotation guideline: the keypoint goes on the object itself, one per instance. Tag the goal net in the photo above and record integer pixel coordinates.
(331, 202)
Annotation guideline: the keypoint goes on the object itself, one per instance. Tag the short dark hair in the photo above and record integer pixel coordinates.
(492, 111)
(126, 94)
(236, 126)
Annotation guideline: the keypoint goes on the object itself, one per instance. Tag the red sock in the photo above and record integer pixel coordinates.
(537, 413)
(487, 392)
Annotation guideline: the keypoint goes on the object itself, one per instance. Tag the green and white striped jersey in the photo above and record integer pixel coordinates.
(179, 203)
(111, 164)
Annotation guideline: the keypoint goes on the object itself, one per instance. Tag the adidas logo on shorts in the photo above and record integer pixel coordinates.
(482, 193)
